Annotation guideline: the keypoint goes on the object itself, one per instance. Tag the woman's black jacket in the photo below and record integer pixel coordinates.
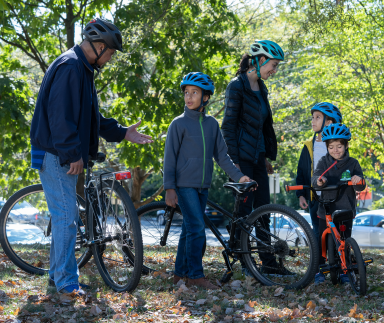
(242, 126)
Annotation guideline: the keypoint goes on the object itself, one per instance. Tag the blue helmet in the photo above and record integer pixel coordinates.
(328, 109)
(267, 48)
(199, 79)
(336, 131)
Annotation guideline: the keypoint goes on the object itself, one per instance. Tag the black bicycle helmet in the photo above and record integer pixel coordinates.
(100, 30)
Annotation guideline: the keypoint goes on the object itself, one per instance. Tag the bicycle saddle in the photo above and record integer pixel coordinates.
(342, 215)
(240, 188)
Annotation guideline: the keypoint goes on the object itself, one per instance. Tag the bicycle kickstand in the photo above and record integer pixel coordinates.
(229, 272)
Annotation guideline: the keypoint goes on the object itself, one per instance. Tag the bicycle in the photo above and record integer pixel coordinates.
(344, 254)
(108, 228)
(292, 243)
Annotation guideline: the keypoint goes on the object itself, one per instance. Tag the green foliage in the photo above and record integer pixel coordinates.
(379, 204)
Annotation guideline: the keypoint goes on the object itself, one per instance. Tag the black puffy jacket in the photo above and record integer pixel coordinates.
(242, 126)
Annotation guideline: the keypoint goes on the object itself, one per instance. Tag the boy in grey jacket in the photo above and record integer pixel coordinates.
(336, 137)
(193, 139)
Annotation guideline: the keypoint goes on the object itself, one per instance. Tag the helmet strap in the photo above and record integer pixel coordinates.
(257, 68)
(322, 126)
(95, 65)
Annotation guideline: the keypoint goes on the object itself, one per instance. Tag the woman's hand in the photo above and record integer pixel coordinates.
(355, 179)
(322, 181)
(303, 202)
(269, 166)
(171, 198)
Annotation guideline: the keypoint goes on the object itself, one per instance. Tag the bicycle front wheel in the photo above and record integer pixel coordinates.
(273, 255)
(25, 230)
(114, 230)
(356, 268)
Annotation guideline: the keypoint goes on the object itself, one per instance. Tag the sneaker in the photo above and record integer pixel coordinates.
(176, 279)
(276, 272)
(344, 279)
(75, 288)
(319, 278)
(51, 283)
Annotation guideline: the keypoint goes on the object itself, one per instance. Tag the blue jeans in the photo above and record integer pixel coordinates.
(189, 262)
(60, 193)
(313, 206)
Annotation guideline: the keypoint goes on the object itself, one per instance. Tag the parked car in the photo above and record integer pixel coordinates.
(286, 229)
(368, 229)
(18, 233)
(306, 216)
(216, 217)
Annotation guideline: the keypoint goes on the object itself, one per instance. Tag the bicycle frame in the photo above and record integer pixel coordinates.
(331, 227)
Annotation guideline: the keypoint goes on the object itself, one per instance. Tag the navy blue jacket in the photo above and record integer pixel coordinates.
(67, 121)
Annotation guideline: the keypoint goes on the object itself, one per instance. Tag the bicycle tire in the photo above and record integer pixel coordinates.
(357, 280)
(157, 257)
(32, 195)
(333, 259)
(119, 261)
(305, 259)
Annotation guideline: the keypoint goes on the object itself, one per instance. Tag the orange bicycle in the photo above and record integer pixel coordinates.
(344, 255)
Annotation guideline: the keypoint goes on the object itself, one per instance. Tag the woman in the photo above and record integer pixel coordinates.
(248, 132)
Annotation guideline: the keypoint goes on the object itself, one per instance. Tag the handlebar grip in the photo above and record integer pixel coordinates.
(362, 182)
(293, 187)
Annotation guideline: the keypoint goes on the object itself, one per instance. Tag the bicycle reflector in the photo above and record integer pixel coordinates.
(120, 176)
(343, 227)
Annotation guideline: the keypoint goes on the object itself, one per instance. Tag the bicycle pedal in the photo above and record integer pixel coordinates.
(324, 269)
(226, 277)
(368, 261)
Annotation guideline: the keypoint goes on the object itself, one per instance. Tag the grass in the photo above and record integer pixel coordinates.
(27, 298)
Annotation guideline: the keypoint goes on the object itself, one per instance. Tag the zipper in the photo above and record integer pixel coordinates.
(202, 133)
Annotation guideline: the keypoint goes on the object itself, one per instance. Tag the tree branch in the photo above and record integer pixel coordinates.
(149, 199)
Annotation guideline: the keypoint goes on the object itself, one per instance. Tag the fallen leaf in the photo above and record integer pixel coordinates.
(352, 313)
(216, 308)
(1, 308)
(228, 318)
(1, 283)
(17, 311)
(252, 304)
(311, 305)
(201, 301)
(273, 317)
(118, 317)
(278, 291)
(248, 308)
(95, 310)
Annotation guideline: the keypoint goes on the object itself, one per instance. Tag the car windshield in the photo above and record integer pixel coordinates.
(21, 205)
(363, 220)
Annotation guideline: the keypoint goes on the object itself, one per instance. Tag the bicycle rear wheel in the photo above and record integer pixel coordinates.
(118, 245)
(354, 260)
(333, 259)
(25, 233)
(280, 260)
(160, 254)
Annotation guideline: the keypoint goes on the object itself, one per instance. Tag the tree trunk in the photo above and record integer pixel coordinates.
(70, 24)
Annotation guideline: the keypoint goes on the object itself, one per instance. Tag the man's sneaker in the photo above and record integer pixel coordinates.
(344, 279)
(276, 272)
(72, 289)
(51, 283)
(201, 282)
(319, 278)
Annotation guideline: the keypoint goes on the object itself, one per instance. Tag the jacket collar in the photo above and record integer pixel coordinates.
(247, 85)
(340, 163)
(193, 114)
(80, 54)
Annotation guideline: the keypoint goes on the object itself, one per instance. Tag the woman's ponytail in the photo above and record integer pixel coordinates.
(244, 64)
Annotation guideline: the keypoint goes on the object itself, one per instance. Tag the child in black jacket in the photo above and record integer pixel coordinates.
(336, 137)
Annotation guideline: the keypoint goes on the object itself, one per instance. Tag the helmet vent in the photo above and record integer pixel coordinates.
(93, 33)
(274, 53)
(101, 28)
(266, 49)
(118, 36)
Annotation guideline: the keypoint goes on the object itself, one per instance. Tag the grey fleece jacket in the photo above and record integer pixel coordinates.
(347, 198)
(193, 139)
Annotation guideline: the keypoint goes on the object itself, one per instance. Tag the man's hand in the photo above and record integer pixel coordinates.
(137, 138)
(355, 179)
(269, 166)
(76, 168)
(171, 198)
(303, 202)
(322, 181)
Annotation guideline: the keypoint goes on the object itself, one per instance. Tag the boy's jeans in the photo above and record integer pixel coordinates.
(189, 262)
(60, 192)
(313, 206)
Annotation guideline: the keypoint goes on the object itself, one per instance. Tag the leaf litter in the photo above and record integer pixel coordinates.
(28, 299)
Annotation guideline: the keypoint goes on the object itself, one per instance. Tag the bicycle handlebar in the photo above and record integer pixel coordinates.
(327, 188)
